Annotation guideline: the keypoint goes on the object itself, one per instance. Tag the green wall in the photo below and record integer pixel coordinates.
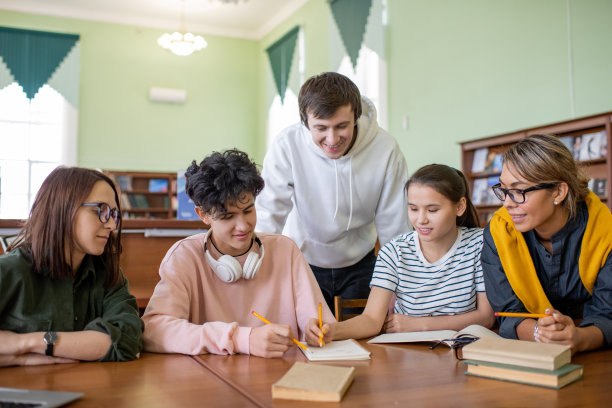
(461, 70)
(119, 128)
(457, 70)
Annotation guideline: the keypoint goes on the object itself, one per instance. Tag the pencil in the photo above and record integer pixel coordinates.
(509, 314)
(266, 321)
(320, 327)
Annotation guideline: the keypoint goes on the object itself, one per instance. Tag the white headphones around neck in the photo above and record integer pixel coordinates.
(228, 269)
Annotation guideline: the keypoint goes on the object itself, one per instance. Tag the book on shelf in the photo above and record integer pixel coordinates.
(568, 141)
(337, 350)
(593, 146)
(313, 382)
(518, 352)
(558, 378)
(185, 206)
(491, 197)
(480, 157)
(124, 182)
(494, 162)
(434, 335)
(158, 185)
(125, 202)
(485, 216)
(480, 195)
(599, 186)
(138, 201)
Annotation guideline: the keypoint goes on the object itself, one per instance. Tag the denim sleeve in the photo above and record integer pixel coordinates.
(598, 310)
(499, 292)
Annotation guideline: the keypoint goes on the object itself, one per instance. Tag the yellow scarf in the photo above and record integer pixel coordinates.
(518, 265)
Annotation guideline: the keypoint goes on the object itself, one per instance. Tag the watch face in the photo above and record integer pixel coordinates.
(50, 337)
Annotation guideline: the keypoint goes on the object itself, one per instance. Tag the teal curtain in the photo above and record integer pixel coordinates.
(32, 59)
(351, 17)
(280, 55)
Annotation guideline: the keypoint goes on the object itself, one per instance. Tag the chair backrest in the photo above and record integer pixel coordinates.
(341, 304)
(6, 240)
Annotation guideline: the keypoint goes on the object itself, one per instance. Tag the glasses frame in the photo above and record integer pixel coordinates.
(498, 190)
(112, 213)
(457, 343)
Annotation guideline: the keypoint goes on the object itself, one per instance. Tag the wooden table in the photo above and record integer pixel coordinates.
(155, 380)
(414, 375)
(407, 375)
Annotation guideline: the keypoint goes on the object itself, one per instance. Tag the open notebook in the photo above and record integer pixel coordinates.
(36, 398)
(433, 336)
(337, 350)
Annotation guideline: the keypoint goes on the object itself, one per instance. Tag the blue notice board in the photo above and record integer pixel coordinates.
(185, 208)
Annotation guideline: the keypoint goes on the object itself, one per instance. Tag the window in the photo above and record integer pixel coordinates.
(370, 77)
(281, 115)
(35, 137)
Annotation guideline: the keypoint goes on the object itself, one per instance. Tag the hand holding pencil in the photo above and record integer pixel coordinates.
(266, 321)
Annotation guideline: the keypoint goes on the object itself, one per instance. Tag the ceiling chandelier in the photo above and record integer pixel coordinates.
(182, 43)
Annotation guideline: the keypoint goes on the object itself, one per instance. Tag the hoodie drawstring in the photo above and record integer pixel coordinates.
(350, 191)
(336, 169)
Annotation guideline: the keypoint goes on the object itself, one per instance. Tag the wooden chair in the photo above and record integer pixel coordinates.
(6, 240)
(341, 304)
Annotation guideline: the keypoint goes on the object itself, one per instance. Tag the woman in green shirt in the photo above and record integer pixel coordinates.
(63, 297)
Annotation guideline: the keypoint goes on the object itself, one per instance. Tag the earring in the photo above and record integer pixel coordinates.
(555, 203)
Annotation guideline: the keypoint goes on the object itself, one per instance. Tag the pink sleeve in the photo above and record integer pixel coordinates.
(167, 328)
(307, 293)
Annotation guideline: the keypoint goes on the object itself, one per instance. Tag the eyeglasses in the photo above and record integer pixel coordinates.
(518, 195)
(457, 343)
(105, 212)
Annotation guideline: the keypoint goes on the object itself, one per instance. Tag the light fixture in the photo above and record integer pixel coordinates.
(182, 43)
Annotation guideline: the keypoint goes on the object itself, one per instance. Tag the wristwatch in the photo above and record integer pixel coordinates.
(50, 338)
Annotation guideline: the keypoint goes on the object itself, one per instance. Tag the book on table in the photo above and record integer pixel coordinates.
(443, 336)
(337, 350)
(518, 352)
(314, 382)
(564, 375)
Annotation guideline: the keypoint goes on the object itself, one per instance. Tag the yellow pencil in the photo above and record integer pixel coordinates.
(320, 326)
(266, 321)
(510, 314)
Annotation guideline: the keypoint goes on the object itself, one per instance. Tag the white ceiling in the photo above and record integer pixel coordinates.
(248, 19)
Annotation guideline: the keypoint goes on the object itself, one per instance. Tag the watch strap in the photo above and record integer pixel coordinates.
(49, 350)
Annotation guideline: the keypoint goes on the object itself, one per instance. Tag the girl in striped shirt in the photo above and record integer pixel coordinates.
(434, 271)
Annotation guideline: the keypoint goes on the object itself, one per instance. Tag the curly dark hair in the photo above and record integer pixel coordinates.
(222, 178)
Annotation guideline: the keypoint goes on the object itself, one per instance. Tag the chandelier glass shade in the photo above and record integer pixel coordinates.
(182, 43)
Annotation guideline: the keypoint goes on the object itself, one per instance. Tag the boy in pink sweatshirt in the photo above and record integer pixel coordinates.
(211, 282)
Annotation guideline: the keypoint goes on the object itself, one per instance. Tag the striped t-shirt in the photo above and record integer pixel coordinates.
(445, 287)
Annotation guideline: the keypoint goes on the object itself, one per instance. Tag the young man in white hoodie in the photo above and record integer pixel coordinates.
(334, 183)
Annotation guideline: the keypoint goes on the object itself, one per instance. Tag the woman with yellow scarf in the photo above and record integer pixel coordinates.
(547, 250)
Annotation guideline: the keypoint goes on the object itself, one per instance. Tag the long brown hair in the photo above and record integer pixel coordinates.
(452, 184)
(545, 159)
(50, 226)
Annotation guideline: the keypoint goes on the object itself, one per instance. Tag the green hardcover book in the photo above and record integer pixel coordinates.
(139, 201)
(567, 374)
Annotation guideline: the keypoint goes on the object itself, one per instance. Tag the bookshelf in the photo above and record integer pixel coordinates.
(150, 195)
(589, 138)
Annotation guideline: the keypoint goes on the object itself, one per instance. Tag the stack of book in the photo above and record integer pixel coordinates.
(545, 365)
